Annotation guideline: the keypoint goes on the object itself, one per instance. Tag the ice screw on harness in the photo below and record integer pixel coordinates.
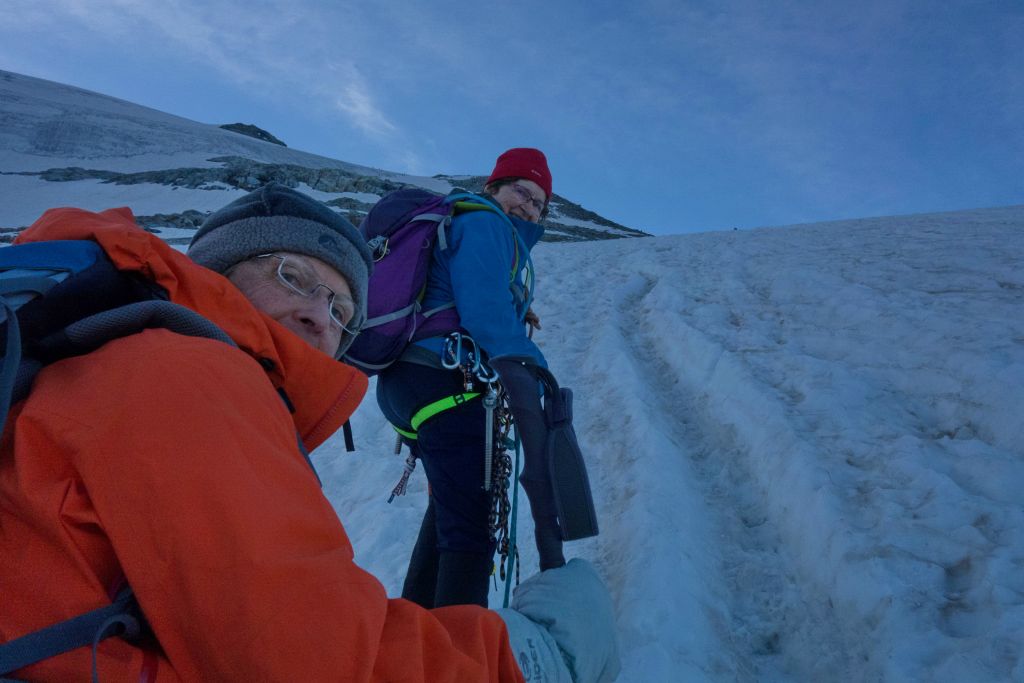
(490, 403)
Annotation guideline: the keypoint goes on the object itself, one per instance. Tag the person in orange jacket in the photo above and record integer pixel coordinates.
(172, 463)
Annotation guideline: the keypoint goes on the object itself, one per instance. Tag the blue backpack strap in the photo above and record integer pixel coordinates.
(12, 352)
(119, 618)
(12, 360)
(462, 202)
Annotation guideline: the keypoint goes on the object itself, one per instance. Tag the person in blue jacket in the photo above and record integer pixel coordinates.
(486, 269)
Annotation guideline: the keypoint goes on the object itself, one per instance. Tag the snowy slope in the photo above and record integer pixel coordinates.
(64, 146)
(47, 125)
(805, 446)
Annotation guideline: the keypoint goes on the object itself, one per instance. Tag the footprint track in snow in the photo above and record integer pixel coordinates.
(771, 620)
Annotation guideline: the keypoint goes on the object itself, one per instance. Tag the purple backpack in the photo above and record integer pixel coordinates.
(401, 230)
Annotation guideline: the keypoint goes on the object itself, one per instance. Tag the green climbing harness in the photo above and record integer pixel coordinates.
(432, 409)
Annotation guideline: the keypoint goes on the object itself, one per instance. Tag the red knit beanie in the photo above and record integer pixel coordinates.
(523, 162)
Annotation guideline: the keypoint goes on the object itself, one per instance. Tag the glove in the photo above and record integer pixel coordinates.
(524, 399)
(562, 626)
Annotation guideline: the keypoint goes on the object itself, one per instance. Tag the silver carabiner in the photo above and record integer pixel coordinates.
(451, 354)
(486, 374)
(473, 355)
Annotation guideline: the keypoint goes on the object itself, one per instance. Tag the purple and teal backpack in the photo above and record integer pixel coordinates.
(401, 231)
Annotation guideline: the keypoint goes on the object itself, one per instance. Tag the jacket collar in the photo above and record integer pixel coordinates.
(529, 231)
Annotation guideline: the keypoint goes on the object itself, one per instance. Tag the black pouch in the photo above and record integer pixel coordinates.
(573, 498)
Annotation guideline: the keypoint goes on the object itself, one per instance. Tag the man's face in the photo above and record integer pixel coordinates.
(273, 284)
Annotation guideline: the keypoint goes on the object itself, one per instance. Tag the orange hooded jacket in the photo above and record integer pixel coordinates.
(172, 461)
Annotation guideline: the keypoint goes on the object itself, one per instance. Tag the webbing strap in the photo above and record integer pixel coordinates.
(442, 238)
(432, 409)
(408, 435)
(438, 309)
(402, 312)
(368, 366)
(429, 217)
(388, 317)
(12, 359)
(475, 206)
(513, 552)
(31, 284)
(65, 635)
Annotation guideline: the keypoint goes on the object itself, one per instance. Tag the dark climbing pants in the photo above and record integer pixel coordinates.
(452, 560)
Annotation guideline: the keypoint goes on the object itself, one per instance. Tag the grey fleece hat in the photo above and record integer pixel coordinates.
(278, 218)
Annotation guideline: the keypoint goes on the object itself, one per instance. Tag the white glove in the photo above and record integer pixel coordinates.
(562, 626)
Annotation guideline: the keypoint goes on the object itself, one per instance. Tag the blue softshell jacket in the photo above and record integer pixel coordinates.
(474, 272)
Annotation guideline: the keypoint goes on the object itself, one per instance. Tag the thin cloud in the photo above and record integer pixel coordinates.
(358, 105)
(282, 52)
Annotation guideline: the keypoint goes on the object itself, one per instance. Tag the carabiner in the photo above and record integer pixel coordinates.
(486, 374)
(451, 359)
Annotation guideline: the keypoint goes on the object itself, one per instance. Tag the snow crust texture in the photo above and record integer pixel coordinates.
(805, 445)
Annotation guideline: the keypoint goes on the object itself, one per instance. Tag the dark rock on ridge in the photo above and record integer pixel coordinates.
(245, 174)
(253, 132)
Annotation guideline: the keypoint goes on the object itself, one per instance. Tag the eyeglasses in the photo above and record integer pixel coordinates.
(299, 278)
(526, 197)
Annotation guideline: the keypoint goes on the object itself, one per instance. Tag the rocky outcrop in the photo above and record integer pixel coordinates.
(236, 172)
(187, 220)
(563, 222)
(253, 132)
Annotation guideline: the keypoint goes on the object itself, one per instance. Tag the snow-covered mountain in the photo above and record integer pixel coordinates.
(805, 443)
(64, 146)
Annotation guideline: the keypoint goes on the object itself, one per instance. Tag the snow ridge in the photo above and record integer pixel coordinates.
(64, 146)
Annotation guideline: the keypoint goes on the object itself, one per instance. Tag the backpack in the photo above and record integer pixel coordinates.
(401, 231)
(57, 300)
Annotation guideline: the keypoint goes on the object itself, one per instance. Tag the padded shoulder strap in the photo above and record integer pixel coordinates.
(465, 203)
(12, 362)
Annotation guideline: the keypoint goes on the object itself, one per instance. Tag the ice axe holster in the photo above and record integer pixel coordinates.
(555, 475)
(573, 498)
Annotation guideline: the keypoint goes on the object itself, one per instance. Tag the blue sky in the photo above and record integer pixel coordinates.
(668, 116)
